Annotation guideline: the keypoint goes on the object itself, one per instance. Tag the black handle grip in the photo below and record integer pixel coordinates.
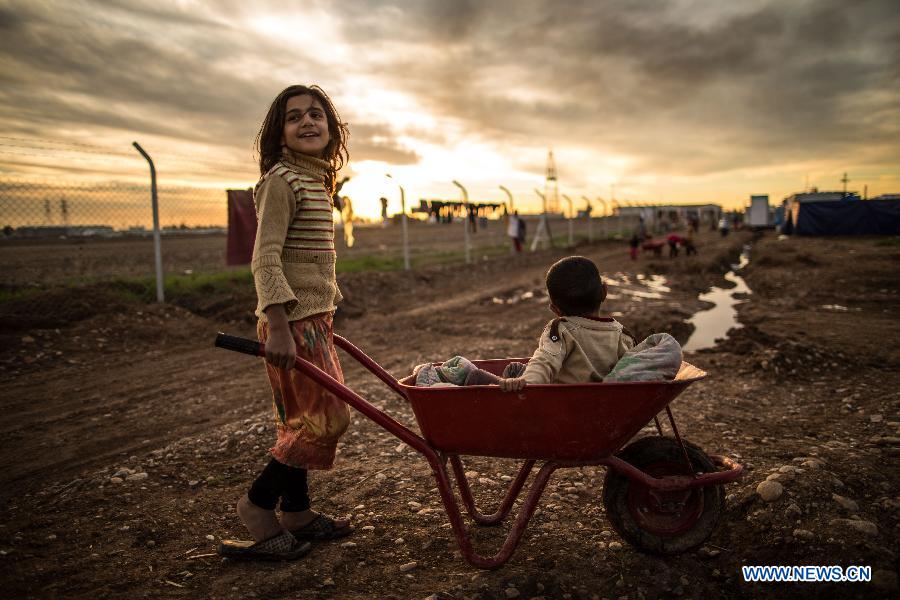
(238, 344)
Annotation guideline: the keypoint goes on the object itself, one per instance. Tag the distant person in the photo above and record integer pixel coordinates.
(688, 243)
(673, 239)
(578, 346)
(635, 243)
(512, 231)
(724, 226)
(642, 229)
(522, 231)
(384, 213)
(301, 145)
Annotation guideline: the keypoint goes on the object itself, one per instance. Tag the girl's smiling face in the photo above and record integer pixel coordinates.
(305, 126)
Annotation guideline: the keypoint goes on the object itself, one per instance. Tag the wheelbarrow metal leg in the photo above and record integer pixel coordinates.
(517, 529)
(684, 451)
(512, 493)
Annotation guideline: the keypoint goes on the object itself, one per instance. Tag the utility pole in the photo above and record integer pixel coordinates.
(845, 180)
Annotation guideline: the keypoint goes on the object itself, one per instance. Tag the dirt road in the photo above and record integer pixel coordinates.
(804, 393)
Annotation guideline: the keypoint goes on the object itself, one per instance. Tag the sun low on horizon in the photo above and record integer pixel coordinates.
(684, 101)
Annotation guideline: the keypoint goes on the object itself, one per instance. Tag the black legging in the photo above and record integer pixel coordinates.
(276, 481)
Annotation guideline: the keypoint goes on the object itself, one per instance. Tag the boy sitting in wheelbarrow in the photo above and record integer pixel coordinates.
(578, 346)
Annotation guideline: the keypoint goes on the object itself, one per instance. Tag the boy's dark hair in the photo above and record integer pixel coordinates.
(268, 139)
(575, 286)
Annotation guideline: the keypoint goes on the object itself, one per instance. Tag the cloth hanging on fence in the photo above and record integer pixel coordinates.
(241, 227)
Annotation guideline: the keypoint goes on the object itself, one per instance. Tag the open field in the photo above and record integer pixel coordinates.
(24, 261)
(806, 393)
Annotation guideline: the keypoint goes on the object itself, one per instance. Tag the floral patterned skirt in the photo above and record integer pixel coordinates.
(310, 419)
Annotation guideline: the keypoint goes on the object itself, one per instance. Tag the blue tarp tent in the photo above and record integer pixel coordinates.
(846, 217)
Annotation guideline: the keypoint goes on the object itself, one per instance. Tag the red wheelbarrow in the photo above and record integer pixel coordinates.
(663, 495)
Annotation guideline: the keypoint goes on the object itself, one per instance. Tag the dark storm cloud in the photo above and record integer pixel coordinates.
(144, 69)
(689, 86)
(685, 86)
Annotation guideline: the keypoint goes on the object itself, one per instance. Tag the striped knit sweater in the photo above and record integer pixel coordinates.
(293, 256)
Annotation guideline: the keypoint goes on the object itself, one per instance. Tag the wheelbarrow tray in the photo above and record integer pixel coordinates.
(560, 422)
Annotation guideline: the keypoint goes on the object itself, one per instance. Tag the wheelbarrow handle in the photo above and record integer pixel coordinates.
(239, 344)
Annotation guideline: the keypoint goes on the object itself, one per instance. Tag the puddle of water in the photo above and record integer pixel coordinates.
(517, 297)
(839, 308)
(714, 323)
(638, 294)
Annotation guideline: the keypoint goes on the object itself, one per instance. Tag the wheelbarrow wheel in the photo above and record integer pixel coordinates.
(662, 522)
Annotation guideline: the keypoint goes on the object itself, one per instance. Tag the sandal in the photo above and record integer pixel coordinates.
(281, 547)
(322, 528)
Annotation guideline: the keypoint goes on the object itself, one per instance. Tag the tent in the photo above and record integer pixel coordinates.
(845, 217)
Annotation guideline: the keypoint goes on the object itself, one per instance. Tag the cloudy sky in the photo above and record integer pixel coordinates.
(653, 101)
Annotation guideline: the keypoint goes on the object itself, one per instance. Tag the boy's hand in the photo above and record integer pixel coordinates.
(513, 384)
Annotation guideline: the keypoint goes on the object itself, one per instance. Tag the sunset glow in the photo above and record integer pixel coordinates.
(671, 102)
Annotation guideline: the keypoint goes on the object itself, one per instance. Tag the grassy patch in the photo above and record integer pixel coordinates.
(10, 294)
(894, 241)
(368, 263)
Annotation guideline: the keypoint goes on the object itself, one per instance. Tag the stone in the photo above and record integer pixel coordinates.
(368, 528)
(793, 510)
(328, 582)
(348, 545)
(511, 592)
(137, 477)
(846, 503)
(210, 537)
(414, 505)
(866, 527)
(116, 480)
(813, 463)
(399, 541)
(803, 534)
(876, 418)
(615, 546)
(407, 567)
(194, 482)
(770, 491)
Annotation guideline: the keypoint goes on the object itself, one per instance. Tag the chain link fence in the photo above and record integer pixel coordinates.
(58, 231)
(35, 208)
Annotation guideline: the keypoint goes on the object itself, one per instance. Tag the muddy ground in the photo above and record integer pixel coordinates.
(126, 438)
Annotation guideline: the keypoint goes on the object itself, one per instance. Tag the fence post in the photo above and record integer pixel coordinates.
(466, 219)
(157, 252)
(590, 213)
(509, 215)
(403, 224)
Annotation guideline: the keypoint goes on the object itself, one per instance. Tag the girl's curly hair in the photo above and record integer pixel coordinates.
(268, 140)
